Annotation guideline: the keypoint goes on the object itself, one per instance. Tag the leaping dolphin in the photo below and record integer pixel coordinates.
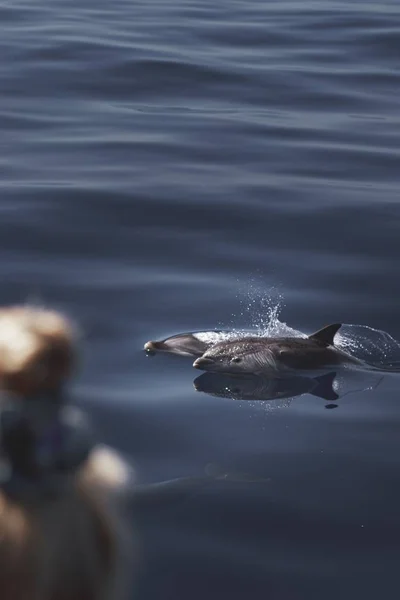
(262, 355)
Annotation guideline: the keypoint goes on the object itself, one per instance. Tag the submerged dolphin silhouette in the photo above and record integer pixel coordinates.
(184, 344)
(258, 355)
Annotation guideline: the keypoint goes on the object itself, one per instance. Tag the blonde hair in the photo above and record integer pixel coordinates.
(64, 546)
(37, 349)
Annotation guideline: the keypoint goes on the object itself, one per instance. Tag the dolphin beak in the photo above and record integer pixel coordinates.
(202, 363)
(152, 347)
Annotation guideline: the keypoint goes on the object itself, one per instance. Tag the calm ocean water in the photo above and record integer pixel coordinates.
(168, 166)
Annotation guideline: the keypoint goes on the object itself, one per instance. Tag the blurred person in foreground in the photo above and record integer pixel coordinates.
(60, 528)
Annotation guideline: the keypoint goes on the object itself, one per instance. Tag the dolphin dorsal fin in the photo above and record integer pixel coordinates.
(326, 334)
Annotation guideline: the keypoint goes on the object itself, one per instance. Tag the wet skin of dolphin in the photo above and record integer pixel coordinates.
(259, 355)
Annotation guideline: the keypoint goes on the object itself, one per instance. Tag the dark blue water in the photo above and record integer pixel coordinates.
(159, 159)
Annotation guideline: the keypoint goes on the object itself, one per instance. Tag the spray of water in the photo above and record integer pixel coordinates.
(261, 311)
(371, 345)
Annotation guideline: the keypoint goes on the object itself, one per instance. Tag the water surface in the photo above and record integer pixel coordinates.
(161, 159)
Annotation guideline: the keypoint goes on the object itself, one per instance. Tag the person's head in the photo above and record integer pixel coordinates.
(37, 349)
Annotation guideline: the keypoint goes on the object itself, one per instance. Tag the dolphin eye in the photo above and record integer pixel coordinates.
(237, 359)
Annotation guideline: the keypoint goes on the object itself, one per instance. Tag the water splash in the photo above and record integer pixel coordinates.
(262, 312)
(213, 337)
(371, 345)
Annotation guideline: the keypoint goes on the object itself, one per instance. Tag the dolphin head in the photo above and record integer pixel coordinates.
(246, 356)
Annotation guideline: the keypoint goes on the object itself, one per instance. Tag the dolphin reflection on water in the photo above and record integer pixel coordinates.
(282, 390)
(254, 387)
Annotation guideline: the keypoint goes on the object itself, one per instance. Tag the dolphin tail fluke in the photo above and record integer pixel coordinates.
(326, 334)
(324, 388)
